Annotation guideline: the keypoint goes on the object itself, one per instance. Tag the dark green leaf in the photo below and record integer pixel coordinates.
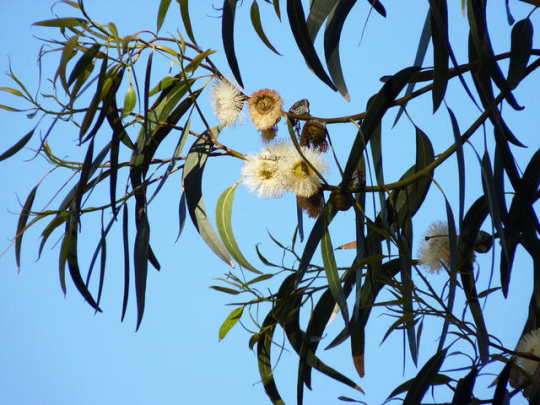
(125, 240)
(140, 261)
(418, 60)
(438, 379)
(62, 23)
(86, 172)
(184, 11)
(162, 12)
(439, 36)
(332, 36)
(318, 13)
(299, 29)
(227, 33)
(229, 323)
(424, 379)
(264, 351)
(193, 171)
(379, 8)
(224, 226)
(330, 268)
(181, 214)
(21, 224)
(501, 394)
(82, 64)
(257, 24)
(464, 388)
(520, 51)
(376, 110)
(18, 146)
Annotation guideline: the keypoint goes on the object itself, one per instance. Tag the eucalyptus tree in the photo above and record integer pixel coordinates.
(104, 87)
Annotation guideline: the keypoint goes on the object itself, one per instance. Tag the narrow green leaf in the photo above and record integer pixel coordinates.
(439, 36)
(424, 379)
(471, 224)
(318, 13)
(520, 51)
(418, 60)
(501, 394)
(63, 23)
(86, 172)
(181, 215)
(224, 226)
(15, 92)
(69, 254)
(140, 261)
(184, 12)
(229, 323)
(264, 353)
(129, 101)
(125, 240)
(464, 388)
(162, 12)
(379, 8)
(376, 110)
(332, 36)
(82, 64)
(18, 146)
(438, 379)
(192, 178)
(227, 33)
(21, 224)
(330, 268)
(298, 25)
(257, 25)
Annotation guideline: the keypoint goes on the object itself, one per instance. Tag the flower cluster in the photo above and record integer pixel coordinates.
(280, 168)
(524, 369)
(434, 252)
(227, 102)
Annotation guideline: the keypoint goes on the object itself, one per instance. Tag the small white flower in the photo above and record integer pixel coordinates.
(227, 102)
(529, 343)
(434, 252)
(263, 176)
(301, 178)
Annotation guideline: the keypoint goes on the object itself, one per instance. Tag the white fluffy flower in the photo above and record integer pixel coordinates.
(263, 176)
(434, 252)
(530, 344)
(301, 178)
(227, 102)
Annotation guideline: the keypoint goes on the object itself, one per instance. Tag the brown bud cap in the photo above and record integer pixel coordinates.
(341, 200)
(312, 205)
(314, 135)
(483, 242)
(358, 180)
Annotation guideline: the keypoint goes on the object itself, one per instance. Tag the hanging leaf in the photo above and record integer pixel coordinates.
(129, 101)
(192, 178)
(424, 379)
(464, 388)
(520, 51)
(224, 227)
(21, 224)
(257, 25)
(297, 21)
(332, 36)
(227, 33)
(140, 262)
(318, 13)
(162, 12)
(82, 64)
(229, 323)
(18, 146)
(184, 12)
(439, 36)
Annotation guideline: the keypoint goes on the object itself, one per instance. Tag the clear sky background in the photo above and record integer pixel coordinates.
(54, 349)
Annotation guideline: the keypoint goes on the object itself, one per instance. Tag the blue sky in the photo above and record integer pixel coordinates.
(54, 349)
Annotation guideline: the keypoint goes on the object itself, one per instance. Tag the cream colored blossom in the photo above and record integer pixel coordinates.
(263, 176)
(265, 109)
(227, 102)
(524, 369)
(301, 178)
(434, 252)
